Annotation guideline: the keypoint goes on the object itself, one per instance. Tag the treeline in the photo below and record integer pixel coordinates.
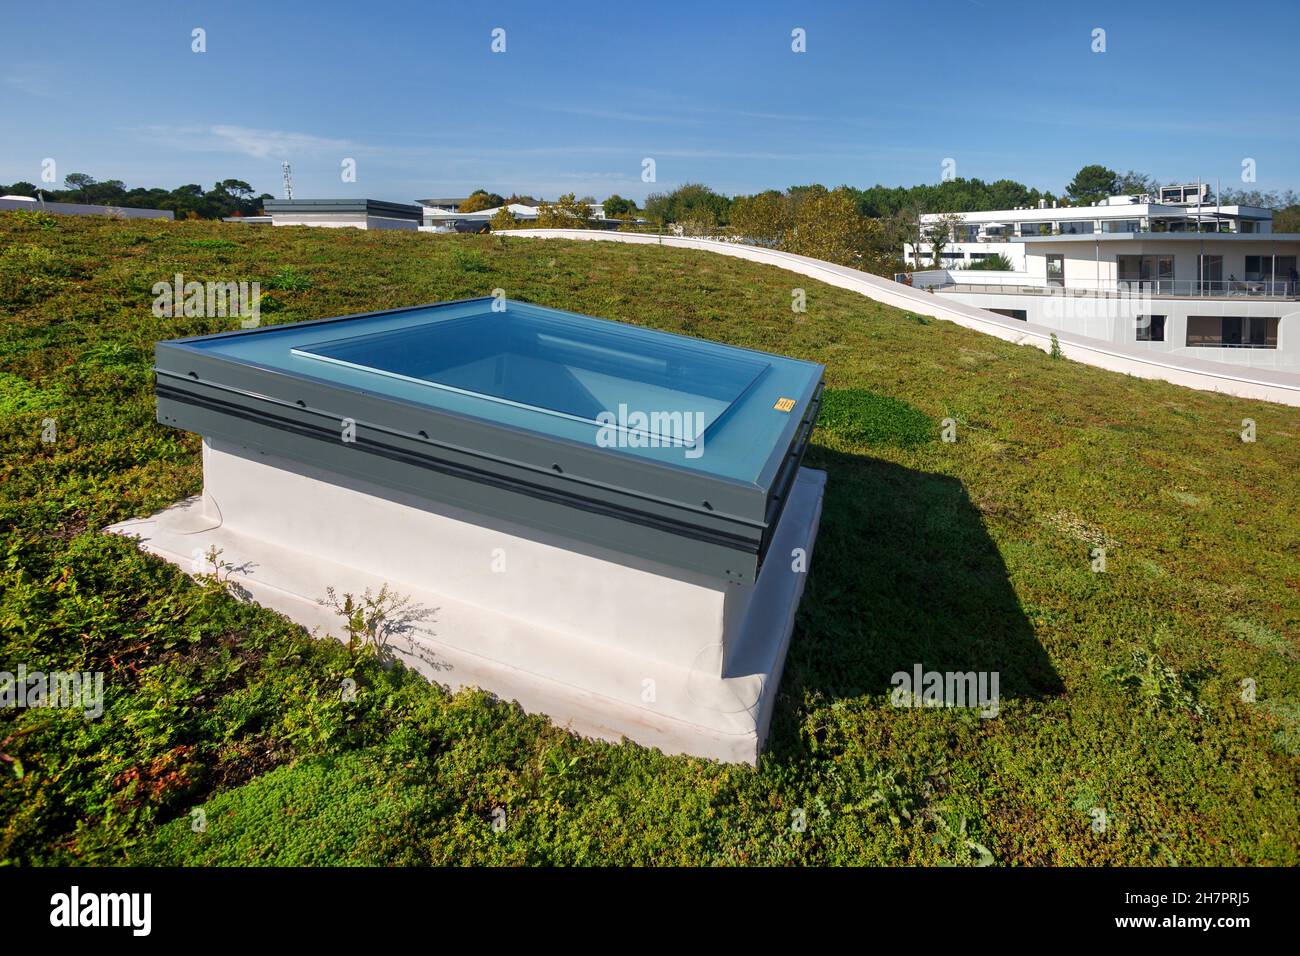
(696, 203)
(867, 228)
(568, 212)
(862, 228)
(230, 197)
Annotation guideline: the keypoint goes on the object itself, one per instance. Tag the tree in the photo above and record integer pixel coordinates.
(940, 232)
(226, 198)
(1256, 197)
(1287, 220)
(827, 226)
(691, 202)
(481, 199)
(503, 218)
(1092, 184)
(700, 221)
(764, 219)
(235, 188)
(904, 228)
(880, 253)
(617, 207)
(78, 183)
(565, 213)
(1133, 183)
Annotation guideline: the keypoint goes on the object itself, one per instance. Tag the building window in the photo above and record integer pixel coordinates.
(1232, 331)
(1122, 225)
(1150, 328)
(1261, 268)
(1020, 314)
(1076, 229)
(1149, 272)
(1056, 270)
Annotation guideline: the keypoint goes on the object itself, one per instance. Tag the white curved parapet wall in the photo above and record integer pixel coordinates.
(1264, 384)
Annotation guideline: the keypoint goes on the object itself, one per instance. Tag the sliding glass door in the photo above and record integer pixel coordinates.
(1056, 270)
(1146, 273)
(1209, 274)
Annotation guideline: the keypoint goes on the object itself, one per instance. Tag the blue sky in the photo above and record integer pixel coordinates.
(584, 92)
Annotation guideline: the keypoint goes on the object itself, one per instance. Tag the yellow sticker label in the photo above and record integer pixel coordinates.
(784, 404)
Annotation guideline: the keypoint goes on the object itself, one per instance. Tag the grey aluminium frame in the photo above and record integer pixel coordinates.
(675, 516)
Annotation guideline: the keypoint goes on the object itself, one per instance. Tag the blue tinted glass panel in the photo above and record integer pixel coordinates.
(741, 393)
(572, 369)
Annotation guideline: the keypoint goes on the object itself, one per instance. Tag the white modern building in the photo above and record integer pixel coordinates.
(1178, 274)
(340, 213)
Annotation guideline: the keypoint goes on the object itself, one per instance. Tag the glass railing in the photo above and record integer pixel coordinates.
(1262, 288)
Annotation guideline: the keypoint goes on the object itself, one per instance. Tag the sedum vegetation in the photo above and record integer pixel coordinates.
(225, 737)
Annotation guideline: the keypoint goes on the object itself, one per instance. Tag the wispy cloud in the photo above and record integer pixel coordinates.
(1245, 127)
(687, 115)
(29, 79)
(623, 116)
(265, 143)
(247, 141)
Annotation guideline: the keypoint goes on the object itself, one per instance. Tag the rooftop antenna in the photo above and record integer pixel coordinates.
(288, 180)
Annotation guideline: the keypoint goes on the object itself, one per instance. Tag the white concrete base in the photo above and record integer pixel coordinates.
(691, 667)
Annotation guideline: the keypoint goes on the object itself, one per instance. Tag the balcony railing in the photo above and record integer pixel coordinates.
(1178, 288)
(1262, 288)
(1088, 231)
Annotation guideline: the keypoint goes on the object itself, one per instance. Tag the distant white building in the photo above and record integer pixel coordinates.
(1177, 273)
(443, 205)
(26, 203)
(435, 219)
(441, 219)
(982, 235)
(348, 213)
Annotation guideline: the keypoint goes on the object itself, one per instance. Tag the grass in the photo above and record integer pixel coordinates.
(1121, 691)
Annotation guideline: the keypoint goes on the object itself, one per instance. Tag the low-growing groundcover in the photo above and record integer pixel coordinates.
(1125, 734)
